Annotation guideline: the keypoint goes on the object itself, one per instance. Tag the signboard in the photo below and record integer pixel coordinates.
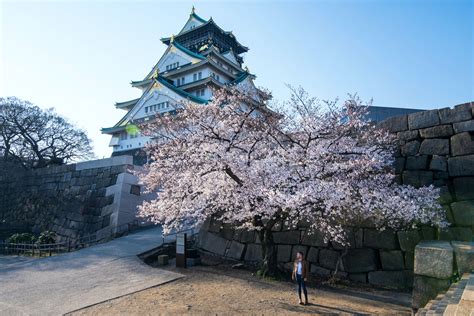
(181, 250)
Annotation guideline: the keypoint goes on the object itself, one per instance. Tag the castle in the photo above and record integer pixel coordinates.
(200, 58)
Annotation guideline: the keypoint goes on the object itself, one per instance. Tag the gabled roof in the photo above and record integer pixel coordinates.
(215, 51)
(197, 17)
(166, 40)
(192, 16)
(126, 104)
(123, 122)
(187, 51)
(180, 48)
(241, 77)
(179, 91)
(141, 83)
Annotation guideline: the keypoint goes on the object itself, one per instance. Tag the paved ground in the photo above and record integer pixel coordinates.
(64, 283)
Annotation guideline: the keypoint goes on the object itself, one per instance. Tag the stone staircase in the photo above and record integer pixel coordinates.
(457, 301)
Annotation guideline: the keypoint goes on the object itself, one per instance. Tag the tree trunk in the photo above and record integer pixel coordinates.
(269, 253)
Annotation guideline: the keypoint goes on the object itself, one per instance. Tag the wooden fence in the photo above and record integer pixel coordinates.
(70, 244)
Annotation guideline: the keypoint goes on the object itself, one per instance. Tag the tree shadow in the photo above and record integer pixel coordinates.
(317, 309)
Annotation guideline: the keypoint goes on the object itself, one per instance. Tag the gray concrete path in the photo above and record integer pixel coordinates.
(61, 284)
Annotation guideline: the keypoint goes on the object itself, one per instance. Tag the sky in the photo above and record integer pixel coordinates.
(80, 56)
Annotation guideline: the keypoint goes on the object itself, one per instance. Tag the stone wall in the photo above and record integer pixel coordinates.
(72, 200)
(437, 265)
(381, 258)
(437, 147)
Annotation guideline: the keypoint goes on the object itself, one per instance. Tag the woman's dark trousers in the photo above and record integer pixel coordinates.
(301, 284)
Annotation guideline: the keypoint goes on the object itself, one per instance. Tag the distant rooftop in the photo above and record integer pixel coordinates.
(380, 113)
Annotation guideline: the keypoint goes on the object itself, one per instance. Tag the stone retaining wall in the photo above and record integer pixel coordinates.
(72, 200)
(381, 258)
(436, 147)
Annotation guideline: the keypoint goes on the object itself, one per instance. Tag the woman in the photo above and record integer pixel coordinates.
(300, 273)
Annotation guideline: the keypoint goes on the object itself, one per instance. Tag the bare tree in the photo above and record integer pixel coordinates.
(36, 138)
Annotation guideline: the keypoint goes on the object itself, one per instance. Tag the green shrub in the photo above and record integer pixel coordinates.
(22, 238)
(46, 237)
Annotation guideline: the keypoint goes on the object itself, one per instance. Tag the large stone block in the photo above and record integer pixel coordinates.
(360, 260)
(358, 277)
(227, 231)
(456, 233)
(353, 239)
(318, 270)
(247, 236)
(417, 178)
(417, 162)
(386, 239)
(435, 146)
(410, 148)
(253, 252)
(462, 144)
(463, 212)
(399, 164)
(407, 135)
(464, 256)
(328, 258)
(439, 163)
(392, 260)
(464, 188)
(391, 279)
(459, 114)
(428, 233)
(215, 226)
(409, 239)
(283, 253)
(445, 196)
(314, 238)
(434, 259)
(423, 119)
(395, 124)
(426, 289)
(212, 243)
(461, 166)
(467, 126)
(409, 260)
(465, 106)
(236, 250)
(439, 131)
(290, 237)
(312, 255)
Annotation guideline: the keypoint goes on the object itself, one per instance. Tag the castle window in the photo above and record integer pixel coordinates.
(200, 92)
(194, 77)
(179, 82)
(199, 75)
(172, 66)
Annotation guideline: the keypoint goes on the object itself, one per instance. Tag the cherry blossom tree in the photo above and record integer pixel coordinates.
(306, 160)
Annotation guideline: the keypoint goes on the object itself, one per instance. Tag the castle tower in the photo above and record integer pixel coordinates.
(200, 57)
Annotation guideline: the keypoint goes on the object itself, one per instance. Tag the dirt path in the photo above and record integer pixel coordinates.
(219, 290)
